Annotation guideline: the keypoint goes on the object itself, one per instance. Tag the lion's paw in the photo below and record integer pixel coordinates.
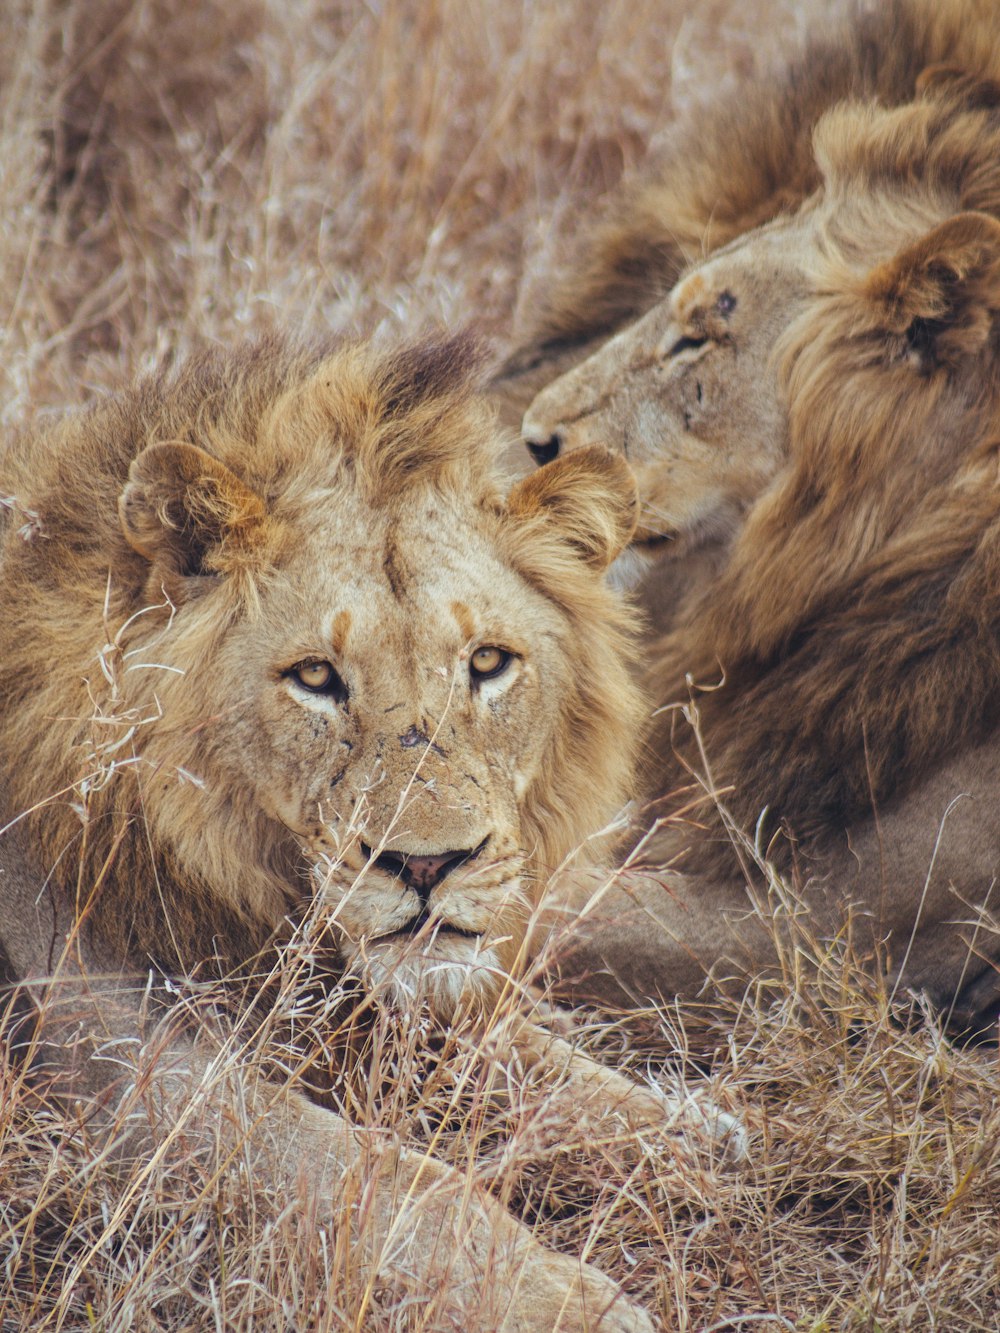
(693, 1118)
(697, 1115)
(579, 1299)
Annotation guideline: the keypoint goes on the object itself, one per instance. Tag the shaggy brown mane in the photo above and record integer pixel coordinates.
(290, 425)
(857, 623)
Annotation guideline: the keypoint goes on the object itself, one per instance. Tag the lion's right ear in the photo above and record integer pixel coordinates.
(940, 295)
(588, 498)
(185, 511)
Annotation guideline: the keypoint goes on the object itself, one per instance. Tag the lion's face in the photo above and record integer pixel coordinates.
(690, 393)
(396, 693)
(390, 685)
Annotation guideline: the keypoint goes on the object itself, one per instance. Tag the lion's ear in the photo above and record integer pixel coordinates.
(940, 294)
(589, 497)
(184, 510)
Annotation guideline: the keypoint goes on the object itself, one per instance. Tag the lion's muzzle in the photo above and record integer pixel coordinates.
(422, 873)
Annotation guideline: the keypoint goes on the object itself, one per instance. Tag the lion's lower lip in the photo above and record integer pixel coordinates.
(440, 928)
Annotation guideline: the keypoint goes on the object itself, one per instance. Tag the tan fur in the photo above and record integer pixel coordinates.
(187, 799)
(823, 397)
(688, 397)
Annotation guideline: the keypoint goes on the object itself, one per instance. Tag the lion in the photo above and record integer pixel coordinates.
(726, 168)
(819, 404)
(275, 644)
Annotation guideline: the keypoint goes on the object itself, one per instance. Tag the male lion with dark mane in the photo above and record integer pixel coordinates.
(819, 403)
(273, 645)
(732, 165)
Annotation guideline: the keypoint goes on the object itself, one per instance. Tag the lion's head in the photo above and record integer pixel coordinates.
(307, 648)
(696, 394)
(851, 627)
(689, 393)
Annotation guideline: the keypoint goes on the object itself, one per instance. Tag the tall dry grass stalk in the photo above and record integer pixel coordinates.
(173, 174)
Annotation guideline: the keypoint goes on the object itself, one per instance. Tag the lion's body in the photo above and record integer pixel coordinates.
(242, 612)
(817, 405)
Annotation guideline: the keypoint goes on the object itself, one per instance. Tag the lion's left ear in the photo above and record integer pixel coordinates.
(588, 497)
(187, 512)
(941, 293)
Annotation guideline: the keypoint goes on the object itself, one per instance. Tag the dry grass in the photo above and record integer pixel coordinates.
(173, 174)
(870, 1201)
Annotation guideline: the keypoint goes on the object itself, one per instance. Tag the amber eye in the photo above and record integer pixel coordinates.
(319, 678)
(488, 661)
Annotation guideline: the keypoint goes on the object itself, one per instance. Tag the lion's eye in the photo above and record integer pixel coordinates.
(319, 678)
(488, 661)
(686, 344)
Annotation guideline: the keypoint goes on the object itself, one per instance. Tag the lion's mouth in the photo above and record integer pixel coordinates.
(652, 542)
(435, 926)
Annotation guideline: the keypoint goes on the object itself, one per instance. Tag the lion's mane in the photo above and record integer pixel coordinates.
(741, 162)
(287, 420)
(852, 640)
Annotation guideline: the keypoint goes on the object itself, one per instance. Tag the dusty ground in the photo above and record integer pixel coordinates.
(175, 174)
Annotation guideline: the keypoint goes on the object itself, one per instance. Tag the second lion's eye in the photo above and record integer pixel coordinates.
(686, 344)
(488, 661)
(319, 677)
(725, 303)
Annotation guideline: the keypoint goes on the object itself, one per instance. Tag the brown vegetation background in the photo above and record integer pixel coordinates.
(172, 174)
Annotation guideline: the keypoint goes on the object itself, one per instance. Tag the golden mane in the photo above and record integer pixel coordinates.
(286, 426)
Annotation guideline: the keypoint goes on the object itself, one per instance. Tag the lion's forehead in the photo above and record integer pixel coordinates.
(352, 537)
(406, 589)
(765, 263)
(398, 603)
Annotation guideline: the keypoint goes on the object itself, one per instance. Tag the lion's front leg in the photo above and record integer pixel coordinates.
(416, 1227)
(573, 1098)
(422, 1228)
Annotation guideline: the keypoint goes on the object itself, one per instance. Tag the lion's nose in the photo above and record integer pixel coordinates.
(422, 873)
(544, 450)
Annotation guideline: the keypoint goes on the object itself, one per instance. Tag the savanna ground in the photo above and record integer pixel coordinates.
(179, 174)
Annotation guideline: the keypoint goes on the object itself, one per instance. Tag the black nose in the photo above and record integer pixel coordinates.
(422, 873)
(544, 451)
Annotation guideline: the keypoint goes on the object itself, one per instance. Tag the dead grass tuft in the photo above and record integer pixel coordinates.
(870, 1200)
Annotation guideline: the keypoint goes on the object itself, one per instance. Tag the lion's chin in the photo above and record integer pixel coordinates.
(441, 974)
